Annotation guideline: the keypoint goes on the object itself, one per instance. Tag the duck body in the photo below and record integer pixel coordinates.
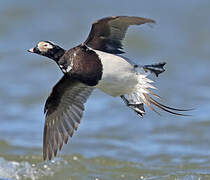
(110, 73)
(95, 63)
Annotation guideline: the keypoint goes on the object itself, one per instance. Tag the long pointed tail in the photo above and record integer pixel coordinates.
(142, 94)
(168, 109)
(138, 107)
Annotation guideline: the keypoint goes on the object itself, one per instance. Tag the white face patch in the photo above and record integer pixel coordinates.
(44, 46)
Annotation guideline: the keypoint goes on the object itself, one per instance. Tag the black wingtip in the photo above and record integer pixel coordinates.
(138, 108)
(155, 68)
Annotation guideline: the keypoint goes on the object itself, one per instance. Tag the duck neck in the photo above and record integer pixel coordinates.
(57, 53)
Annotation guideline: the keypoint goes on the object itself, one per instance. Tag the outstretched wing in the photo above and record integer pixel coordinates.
(106, 34)
(64, 108)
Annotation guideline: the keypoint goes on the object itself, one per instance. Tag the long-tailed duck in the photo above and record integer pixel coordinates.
(96, 63)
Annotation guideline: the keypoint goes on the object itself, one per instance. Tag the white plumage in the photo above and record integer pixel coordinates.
(120, 77)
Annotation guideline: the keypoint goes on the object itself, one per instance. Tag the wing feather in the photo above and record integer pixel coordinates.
(107, 33)
(64, 109)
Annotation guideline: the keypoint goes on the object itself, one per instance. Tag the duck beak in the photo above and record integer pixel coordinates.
(31, 50)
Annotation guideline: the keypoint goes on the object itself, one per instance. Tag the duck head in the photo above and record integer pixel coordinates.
(48, 49)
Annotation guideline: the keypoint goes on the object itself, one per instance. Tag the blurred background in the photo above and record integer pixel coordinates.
(112, 142)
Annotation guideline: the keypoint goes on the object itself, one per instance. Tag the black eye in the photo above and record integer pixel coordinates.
(45, 45)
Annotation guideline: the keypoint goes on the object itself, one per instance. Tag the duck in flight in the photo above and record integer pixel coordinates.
(95, 63)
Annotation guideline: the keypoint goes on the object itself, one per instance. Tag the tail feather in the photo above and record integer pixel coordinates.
(153, 94)
(145, 101)
(171, 108)
(163, 107)
(142, 94)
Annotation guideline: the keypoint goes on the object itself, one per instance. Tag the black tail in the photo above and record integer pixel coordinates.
(164, 107)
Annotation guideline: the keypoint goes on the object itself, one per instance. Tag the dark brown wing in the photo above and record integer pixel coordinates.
(64, 108)
(106, 34)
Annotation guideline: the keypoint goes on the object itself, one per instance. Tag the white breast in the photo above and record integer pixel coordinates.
(119, 76)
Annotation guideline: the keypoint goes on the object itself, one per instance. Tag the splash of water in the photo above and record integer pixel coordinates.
(13, 170)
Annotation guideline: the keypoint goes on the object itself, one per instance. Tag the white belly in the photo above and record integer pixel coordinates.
(119, 76)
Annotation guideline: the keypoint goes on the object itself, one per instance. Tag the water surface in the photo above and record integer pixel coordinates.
(112, 142)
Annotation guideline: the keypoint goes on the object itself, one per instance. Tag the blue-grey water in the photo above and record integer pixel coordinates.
(112, 142)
